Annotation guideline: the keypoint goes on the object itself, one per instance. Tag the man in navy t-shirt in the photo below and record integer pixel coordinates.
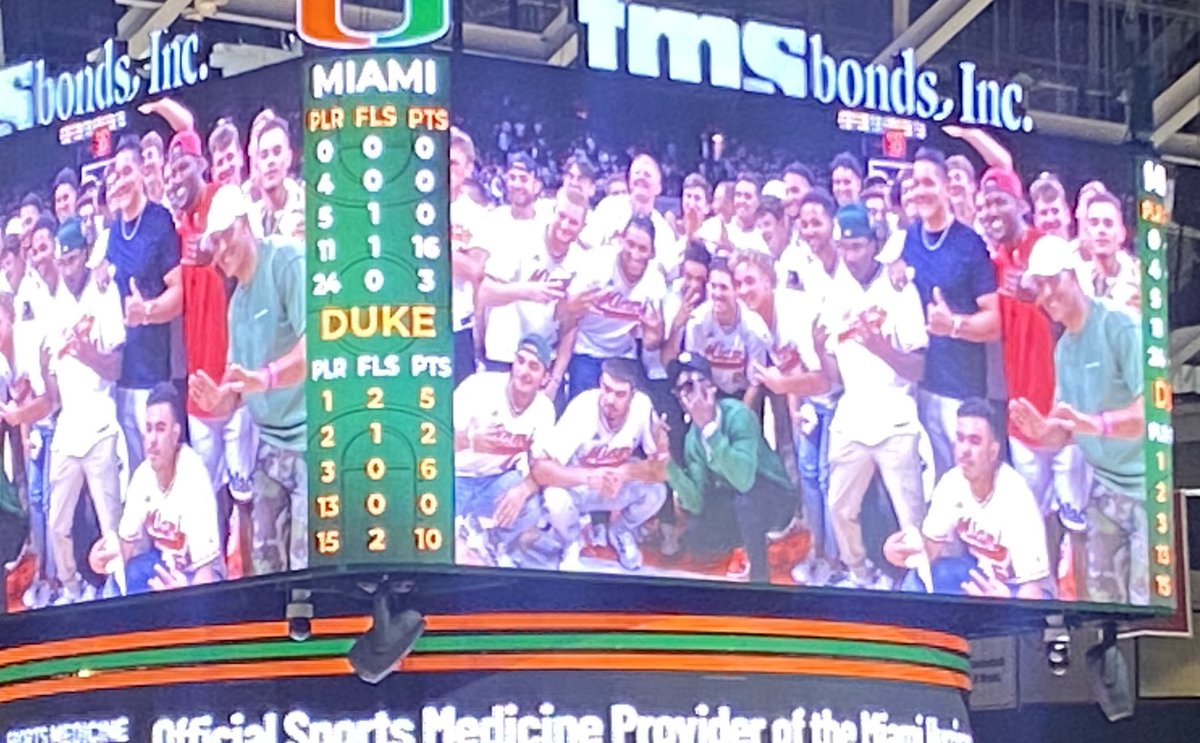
(143, 252)
(957, 283)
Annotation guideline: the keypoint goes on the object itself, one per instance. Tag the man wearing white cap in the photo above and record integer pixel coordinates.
(266, 371)
(1098, 405)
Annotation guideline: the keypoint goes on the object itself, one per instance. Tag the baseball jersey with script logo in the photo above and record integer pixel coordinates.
(791, 339)
(583, 439)
(500, 437)
(507, 241)
(508, 324)
(465, 232)
(729, 350)
(1005, 532)
(181, 522)
(610, 329)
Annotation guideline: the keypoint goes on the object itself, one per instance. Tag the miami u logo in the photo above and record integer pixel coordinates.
(319, 22)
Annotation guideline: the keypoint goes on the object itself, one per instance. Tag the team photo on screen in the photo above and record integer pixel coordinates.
(696, 341)
(697, 334)
(153, 305)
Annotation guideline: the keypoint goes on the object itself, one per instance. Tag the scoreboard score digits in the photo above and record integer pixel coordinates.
(380, 378)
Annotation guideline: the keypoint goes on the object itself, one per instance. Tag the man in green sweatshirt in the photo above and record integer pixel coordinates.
(729, 473)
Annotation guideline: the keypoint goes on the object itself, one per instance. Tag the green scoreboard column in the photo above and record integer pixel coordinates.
(381, 440)
(1152, 218)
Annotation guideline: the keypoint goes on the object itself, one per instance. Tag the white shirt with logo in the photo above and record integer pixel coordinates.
(182, 521)
(876, 402)
(508, 324)
(1005, 533)
(791, 347)
(508, 242)
(729, 350)
(89, 412)
(613, 325)
(583, 439)
(501, 438)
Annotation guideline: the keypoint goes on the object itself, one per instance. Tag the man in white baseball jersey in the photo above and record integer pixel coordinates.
(984, 533)
(521, 289)
(728, 335)
(877, 355)
(497, 418)
(511, 233)
(590, 464)
(614, 300)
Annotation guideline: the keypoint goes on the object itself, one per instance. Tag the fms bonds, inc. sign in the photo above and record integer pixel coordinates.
(770, 59)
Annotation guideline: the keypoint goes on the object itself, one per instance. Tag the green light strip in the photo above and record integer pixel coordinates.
(493, 643)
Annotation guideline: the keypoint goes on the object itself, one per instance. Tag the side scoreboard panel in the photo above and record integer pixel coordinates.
(380, 451)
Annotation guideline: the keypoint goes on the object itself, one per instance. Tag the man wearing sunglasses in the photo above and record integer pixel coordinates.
(729, 474)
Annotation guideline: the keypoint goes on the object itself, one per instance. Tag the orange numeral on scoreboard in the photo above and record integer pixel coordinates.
(1161, 524)
(428, 468)
(376, 430)
(428, 539)
(1161, 494)
(428, 434)
(328, 471)
(427, 504)
(374, 398)
(329, 506)
(376, 469)
(1162, 584)
(1162, 554)
(329, 542)
(376, 504)
(327, 439)
(327, 400)
(1161, 458)
(426, 399)
(376, 539)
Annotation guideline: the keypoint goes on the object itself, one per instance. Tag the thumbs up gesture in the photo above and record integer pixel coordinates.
(938, 317)
(137, 309)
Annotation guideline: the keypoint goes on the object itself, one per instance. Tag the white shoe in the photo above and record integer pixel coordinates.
(570, 562)
(628, 551)
(36, 596)
(70, 594)
(815, 572)
(89, 593)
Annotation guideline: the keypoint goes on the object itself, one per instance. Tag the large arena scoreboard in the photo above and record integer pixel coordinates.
(381, 468)
(574, 176)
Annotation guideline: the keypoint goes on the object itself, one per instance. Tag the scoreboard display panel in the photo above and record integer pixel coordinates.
(381, 453)
(799, 322)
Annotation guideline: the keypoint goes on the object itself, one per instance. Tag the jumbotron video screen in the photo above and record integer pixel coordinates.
(760, 314)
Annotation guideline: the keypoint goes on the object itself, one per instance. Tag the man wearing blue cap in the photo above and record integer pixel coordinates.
(873, 341)
(85, 345)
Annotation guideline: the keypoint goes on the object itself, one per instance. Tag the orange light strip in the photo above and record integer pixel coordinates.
(639, 662)
(492, 622)
(684, 623)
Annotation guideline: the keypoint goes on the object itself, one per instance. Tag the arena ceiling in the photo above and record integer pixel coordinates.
(1087, 63)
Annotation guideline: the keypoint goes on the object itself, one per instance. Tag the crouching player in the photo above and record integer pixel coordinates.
(730, 477)
(984, 534)
(497, 418)
(591, 464)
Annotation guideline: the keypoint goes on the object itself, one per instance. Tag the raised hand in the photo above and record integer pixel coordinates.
(939, 318)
